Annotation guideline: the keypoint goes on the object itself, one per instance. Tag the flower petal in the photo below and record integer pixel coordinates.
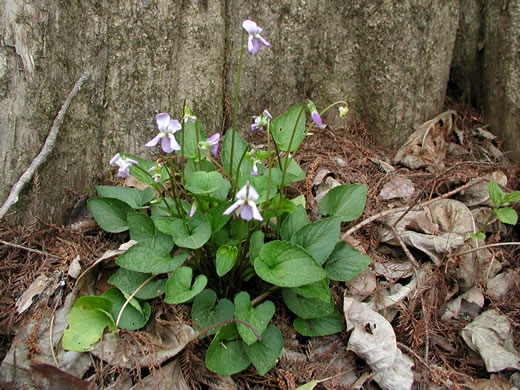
(253, 195)
(123, 172)
(166, 145)
(246, 212)
(251, 27)
(163, 120)
(174, 126)
(233, 207)
(155, 140)
(316, 118)
(241, 194)
(254, 46)
(256, 213)
(268, 114)
(261, 39)
(115, 159)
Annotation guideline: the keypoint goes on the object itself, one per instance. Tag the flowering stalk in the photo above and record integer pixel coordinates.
(235, 101)
(268, 159)
(198, 140)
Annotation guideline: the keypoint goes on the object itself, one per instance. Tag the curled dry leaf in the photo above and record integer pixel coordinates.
(397, 187)
(499, 286)
(373, 339)
(490, 335)
(478, 193)
(426, 147)
(470, 303)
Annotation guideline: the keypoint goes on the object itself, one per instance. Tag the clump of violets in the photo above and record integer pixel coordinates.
(167, 129)
(254, 40)
(246, 198)
(261, 121)
(123, 163)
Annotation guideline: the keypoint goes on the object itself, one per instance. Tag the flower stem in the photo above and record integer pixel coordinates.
(268, 160)
(197, 139)
(235, 101)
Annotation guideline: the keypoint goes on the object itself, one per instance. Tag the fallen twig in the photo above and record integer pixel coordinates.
(46, 149)
(486, 246)
(29, 249)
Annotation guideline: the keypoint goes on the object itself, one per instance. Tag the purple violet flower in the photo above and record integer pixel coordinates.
(246, 201)
(123, 163)
(167, 128)
(314, 114)
(261, 121)
(254, 40)
(254, 171)
(214, 141)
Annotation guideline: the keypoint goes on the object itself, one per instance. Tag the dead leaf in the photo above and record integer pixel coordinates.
(494, 383)
(75, 268)
(33, 292)
(502, 284)
(373, 339)
(48, 377)
(490, 335)
(478, 194)
(397, 187)
(167, 377)
(426, 147)
(469, 303)
(362, 285)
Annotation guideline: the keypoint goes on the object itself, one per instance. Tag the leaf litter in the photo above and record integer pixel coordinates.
(433, 309)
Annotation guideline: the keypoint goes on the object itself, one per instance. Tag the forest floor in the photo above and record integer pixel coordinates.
(427, 321)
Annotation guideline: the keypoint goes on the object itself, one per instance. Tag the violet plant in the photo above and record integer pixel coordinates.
(214, 228)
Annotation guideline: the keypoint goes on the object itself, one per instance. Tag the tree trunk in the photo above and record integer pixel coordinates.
(389, 60)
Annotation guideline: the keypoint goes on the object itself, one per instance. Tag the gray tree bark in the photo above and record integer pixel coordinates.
(389, 60)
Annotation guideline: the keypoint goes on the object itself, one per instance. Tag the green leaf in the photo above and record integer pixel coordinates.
(495, 193)
(179, 288)
(110, 214)
(226, 355)
(319, 237)
(265, 353)
(309, 385)
(208, 184)
(240, 147)
(161, 209)
(306, 307)
(478, 236)
(345, 262)
(194, 236)
(128, 281)
(88, 319)
(346, 201)
(507, 215)
(321, 326)
(192, 167)
(286, 265)
(132, 318)
(141, 226)
(205, 313)
(217, 220)
(294, 172)
(134, 197)
(191, 147)
(282, 128)
(255, 244)
(225, 259)
(512, 197)
(293, 222)
(258, 316)
(152, 256)
(318, 290)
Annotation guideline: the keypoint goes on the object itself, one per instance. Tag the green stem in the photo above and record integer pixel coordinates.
(289, 157)
(268, 160)
(235, 100)
(197, 140)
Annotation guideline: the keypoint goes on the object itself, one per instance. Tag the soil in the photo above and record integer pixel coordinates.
(347, 154)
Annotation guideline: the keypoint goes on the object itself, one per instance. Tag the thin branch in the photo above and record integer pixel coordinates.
(29, 249)
(46, 150)
(407, 209)
(486, 246)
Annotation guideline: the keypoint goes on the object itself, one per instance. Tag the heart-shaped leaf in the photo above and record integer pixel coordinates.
(321, 326)
(88, 318)
(286, 265)
(318, 238)
(226, 355)
(346, 201)
(109, 213)
(134, 197)
(193, 235)
(319, 289)
(306, 307)
(179, 288)
(141, 226)
(132, 318)
(128, 281)
(345, 262)
(258, 316)
(265, 353)
(293, 222)
(289, 126)
(240, 147)
(208, 184)
(205, 313)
